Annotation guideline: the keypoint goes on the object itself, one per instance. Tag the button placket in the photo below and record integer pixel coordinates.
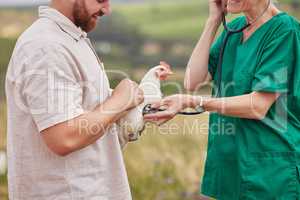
(88, 41)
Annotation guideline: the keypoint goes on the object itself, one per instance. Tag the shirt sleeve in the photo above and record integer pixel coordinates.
(214, 55)
(276, 64)
(50, 88)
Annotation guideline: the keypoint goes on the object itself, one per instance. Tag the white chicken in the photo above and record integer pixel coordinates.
(3, 163)
(132, 124)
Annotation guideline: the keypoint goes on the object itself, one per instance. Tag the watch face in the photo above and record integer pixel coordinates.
(199, 109)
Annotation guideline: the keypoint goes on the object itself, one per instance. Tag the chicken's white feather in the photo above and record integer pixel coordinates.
(133, 123)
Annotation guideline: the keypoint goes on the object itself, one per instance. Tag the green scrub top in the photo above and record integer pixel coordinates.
(257, 159)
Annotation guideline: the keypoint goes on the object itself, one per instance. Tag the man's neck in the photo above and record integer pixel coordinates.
(64, 7)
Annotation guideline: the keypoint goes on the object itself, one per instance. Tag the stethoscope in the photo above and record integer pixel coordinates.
(229, 32)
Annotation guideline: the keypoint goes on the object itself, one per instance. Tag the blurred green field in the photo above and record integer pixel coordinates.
(3, 181)
(168, 161)
(159, 20)
(181, 20)
(163, 20)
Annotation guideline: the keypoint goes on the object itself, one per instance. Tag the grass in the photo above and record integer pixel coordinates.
(14, 21)
(168, 161)
(2, 126)
(3, 180)
(3, 188)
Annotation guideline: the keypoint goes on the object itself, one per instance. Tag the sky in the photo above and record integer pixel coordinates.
(36, 2)
(20, 2)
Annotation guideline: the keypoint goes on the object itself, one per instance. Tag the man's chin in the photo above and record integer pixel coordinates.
(91, 26)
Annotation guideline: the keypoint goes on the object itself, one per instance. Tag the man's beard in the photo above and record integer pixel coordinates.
(82, 18)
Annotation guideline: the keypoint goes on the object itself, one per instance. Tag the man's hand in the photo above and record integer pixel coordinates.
(128, 95)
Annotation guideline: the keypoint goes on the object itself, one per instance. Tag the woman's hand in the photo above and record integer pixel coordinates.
(216, 8)
(172, 105)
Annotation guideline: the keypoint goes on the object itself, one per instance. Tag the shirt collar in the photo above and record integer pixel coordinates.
(62, 21)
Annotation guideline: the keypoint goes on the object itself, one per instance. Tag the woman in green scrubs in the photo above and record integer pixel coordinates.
(254, 135)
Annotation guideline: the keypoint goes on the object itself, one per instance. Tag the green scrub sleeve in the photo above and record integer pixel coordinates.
(276, 63)
(214, 55)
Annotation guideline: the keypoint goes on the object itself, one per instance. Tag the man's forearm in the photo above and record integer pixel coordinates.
(92, 125)
(83, 130)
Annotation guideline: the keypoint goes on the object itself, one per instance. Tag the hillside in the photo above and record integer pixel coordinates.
(167, 20)
(177, 19)
(160, 20)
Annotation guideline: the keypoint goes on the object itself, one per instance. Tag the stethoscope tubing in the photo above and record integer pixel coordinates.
(228, 33)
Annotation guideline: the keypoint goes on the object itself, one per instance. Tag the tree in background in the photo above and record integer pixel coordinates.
(116, 31)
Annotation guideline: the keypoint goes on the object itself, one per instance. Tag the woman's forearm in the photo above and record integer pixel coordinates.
(251, 106)
(197, 69)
